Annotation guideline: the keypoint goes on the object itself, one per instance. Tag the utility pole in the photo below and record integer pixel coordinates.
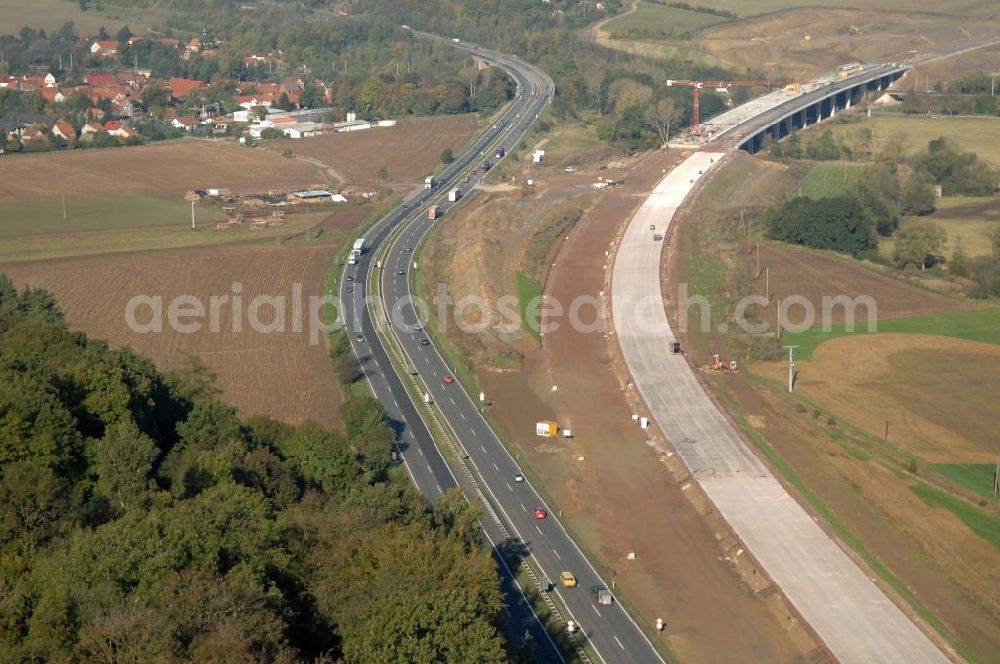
(64, 208)
(996, 477)
(767, 284)
(756, 272)
(791, 369)
(192, 215)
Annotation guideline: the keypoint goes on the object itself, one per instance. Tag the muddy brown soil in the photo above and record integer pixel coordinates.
(614, 484)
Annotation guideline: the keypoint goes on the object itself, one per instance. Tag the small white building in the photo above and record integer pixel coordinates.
(302, 129)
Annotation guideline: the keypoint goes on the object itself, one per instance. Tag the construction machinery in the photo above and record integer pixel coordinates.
(718, 364)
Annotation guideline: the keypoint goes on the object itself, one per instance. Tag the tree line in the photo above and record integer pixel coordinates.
(142, 520)
(852, 222)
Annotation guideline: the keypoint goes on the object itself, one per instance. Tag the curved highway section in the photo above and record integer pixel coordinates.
(610, 631)
(850, 613)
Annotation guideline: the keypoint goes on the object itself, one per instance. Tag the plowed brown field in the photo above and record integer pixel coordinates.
(408, 151)
(279, 374)
(162, 170)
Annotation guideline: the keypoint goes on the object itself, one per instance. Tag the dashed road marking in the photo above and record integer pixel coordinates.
(620, 643)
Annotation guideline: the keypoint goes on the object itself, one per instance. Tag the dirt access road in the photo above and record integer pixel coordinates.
(611, 481)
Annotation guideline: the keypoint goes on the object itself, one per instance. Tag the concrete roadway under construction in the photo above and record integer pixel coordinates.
(849, 612)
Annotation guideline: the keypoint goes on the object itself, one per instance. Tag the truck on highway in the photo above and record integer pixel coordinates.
(500, 153)
(356, 250)
(429, 182)
(602, 595)
(454, 195)
(486, 165)
(433, 212)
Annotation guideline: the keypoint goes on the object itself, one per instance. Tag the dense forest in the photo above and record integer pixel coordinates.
(142, 521)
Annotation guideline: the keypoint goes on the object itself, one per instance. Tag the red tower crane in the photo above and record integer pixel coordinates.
(698, 85)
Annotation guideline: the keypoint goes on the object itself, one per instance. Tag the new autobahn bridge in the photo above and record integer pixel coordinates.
(609, 630)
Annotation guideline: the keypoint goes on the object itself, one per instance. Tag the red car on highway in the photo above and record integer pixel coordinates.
(448, 380)
(540, 513)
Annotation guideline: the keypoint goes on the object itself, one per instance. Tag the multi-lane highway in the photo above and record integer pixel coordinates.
(609, 629)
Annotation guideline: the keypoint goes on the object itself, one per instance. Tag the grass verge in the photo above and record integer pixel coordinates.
(979, 522)
(977, 477)
(529, 297)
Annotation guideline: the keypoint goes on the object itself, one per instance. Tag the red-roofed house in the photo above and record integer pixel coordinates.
(64, 130)
(181, 88)
(109, 91)
(53, 95)
(104, 48)
(186, 122)
(126, 132)
(112, 126)
(92, 128)
(100, 78)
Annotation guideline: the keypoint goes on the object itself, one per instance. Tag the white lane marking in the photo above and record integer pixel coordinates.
(421, 451)
(557, 554)
(509, 487)
(538, 529)
(523, 508)
(496, 467)
(462, 415)
(483, 449)
(620, 643)
(475, 433)
(452, 400)
(435, 484)
(595, 610)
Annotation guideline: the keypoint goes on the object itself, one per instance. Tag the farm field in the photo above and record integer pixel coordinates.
(744, 8)
(653, 19)
(278, 374)
(51, 15)
(980, 135)
(773, 31)
(936, 392)
(159, 170)
(408, 151)
(965, 220)
(45, 215)
(325, 225)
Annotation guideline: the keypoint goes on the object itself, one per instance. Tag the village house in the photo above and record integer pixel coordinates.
(186, 122)
(181, 88)
(104, 48)
(63, 130)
